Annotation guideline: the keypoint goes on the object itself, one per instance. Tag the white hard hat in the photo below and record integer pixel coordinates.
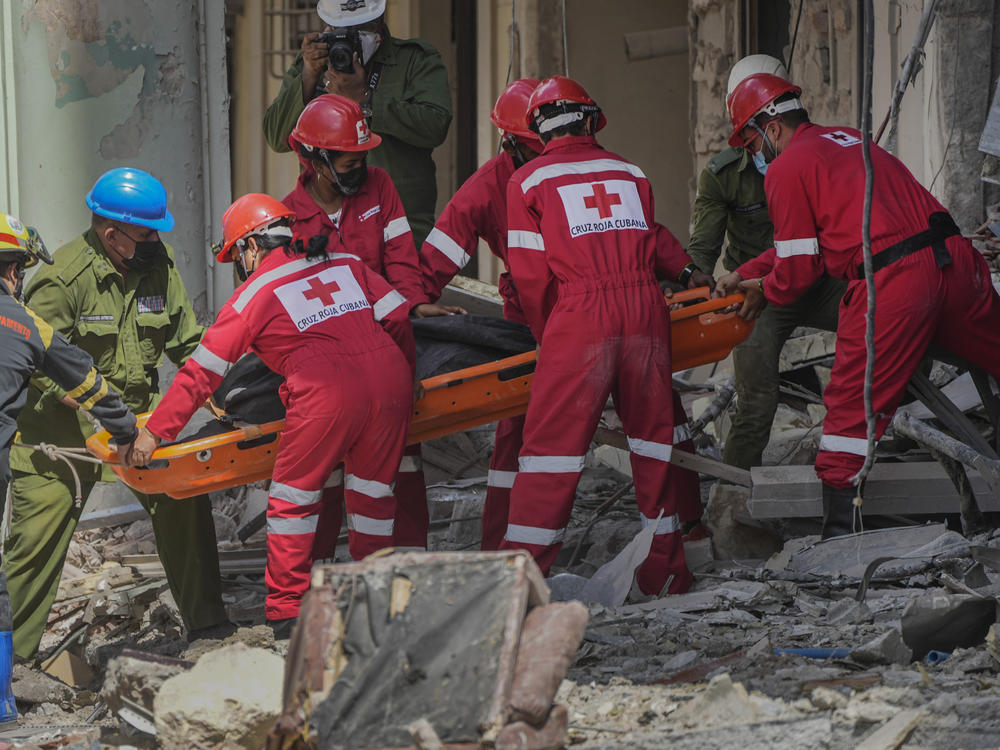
(349, 12)
(753, 64)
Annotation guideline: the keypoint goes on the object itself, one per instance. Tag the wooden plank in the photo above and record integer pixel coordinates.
(891, 488)
(690, 461)
(893, 733)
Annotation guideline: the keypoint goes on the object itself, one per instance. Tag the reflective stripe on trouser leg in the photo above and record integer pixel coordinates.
(684, 484)
(503, 472)
(412, 514)
(371, 510)
(291, 532)
(331, 516)
(540, 527)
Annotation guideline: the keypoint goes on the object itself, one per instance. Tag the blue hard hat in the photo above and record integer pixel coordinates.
(132, 196)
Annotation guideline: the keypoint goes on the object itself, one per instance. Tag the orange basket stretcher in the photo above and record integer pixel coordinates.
(700, 333)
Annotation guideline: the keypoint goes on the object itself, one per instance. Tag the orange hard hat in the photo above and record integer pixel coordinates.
(755, 95)
(333, 123)
(249, 214)
(556, 90)
(511, 110)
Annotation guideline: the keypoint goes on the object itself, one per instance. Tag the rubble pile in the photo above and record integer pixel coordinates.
(882, 639)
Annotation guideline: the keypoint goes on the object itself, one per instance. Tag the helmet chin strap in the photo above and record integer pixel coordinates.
(765, 142)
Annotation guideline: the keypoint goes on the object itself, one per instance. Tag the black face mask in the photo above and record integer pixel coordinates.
(351, 181)
(146, 252)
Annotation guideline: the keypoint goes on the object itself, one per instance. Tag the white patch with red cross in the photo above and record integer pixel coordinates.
(841, 138)
(324, 295)
(604, 206)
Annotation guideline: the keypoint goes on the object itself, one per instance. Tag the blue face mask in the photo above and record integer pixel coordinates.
(758, 161)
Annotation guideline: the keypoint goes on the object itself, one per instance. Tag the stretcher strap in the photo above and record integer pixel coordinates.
(57, 453)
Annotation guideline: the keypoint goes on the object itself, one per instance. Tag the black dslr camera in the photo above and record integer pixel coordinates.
(344, 42)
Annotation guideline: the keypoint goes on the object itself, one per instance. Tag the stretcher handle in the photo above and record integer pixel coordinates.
(708, 306)
(489, 368)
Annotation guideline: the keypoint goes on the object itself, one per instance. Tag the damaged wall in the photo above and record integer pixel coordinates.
(90, 85)
(942, 114)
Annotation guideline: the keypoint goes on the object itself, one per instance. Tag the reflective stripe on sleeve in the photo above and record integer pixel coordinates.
(368, 487)
(448, 247)
(367, 525)
(533, 535)
(550, 464)
(497, 478)
(283, 526)
(387, 304)
(788, 248)
(667, 524)
(650, 449)
(526, 240)
(294, 495)
(844, 444)
(211, 361)
(396, 227)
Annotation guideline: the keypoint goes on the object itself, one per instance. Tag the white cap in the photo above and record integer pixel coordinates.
(349, 12)
(750, 65)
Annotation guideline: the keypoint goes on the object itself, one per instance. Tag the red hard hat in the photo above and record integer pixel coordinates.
(334, 123)
(756, 94)
(512, 107)
(247, 215)
(560, 89)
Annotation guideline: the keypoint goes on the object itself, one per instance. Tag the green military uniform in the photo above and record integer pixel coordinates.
(411, 110)
(126, 325)
(731, 202)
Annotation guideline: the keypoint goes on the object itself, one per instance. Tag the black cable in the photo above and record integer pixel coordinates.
(866, 240)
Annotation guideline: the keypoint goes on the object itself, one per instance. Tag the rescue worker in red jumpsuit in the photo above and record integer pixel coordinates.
(338, 195)
(932, 287)
(341, 337)
(478, 210)
(584, 252)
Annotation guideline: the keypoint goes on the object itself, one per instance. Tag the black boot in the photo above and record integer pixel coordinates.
(838, 511)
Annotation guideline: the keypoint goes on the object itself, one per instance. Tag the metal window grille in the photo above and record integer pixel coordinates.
(286, 22)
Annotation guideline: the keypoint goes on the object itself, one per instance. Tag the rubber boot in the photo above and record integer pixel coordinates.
(8, 709)
(838, 511)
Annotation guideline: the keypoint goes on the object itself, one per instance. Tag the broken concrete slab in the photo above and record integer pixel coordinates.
(893, 489)
(887, 648)
(33, 687)
(850, 555)
(136, 677)
(944, 622)
(611, 583)
(388, 640)
(232, 695)
(726, 515)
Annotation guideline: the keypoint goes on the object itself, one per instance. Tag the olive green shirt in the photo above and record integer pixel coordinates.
(731, 202)
(411, 111)
(126, 325)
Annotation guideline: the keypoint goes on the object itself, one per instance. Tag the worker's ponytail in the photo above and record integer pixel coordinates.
(316, 248)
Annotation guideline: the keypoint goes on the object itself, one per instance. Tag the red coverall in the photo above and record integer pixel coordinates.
(815, 192)
(479, 210)
(584, 251)
(372, 226)
(348, 394)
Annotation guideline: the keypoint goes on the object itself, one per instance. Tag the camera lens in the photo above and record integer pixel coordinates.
(341, 57)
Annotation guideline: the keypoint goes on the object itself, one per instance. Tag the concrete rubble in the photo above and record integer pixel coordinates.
(784, 641)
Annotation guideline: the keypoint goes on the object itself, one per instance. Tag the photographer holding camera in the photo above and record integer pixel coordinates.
(401, 85)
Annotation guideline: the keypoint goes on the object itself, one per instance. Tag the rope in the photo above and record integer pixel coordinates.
(866, 244)
(58, 453)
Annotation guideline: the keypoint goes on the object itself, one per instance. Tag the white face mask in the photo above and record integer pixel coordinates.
(370, 41)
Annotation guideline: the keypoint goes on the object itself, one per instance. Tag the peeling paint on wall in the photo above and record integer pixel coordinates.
(94, 47)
